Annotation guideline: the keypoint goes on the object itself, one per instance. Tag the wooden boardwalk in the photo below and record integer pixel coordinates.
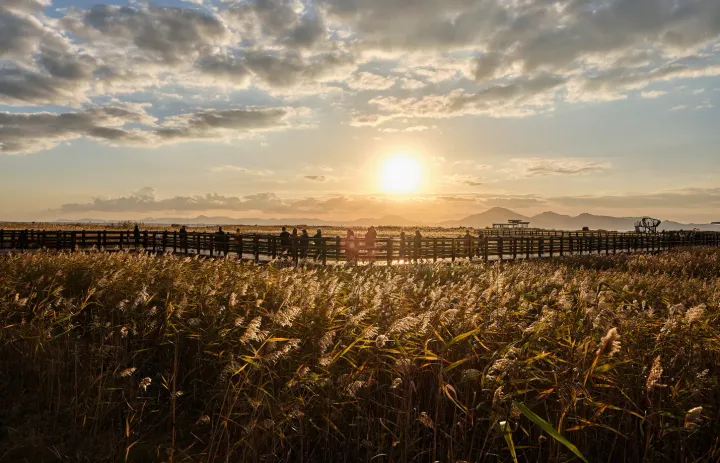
(263, 248)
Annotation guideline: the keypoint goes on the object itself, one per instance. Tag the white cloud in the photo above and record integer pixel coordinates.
(653, 94)
(370, 81)
(241, 170)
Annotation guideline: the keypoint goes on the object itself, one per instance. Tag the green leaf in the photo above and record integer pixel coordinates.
(507, 434)
(545, 426)
(460, 337)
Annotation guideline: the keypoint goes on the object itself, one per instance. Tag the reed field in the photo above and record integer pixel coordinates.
(137, 357)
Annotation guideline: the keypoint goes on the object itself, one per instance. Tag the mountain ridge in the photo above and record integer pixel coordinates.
(547, 219)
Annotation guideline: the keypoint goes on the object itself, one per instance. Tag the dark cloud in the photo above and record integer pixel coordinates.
(537, 167)
(27, 132)
(316, 178)
(165, 35)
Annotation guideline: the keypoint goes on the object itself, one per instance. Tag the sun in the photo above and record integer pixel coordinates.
(400, 173)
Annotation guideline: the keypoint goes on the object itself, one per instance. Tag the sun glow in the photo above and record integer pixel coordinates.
(400, 173)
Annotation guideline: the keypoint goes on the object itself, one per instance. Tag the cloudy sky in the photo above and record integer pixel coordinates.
(292, 108)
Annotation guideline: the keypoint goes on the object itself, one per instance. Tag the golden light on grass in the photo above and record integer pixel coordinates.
(400, 173)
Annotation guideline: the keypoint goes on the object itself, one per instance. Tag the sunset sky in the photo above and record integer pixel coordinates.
(340, 109)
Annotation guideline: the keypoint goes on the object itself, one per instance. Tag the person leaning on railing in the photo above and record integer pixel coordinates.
(318, 242)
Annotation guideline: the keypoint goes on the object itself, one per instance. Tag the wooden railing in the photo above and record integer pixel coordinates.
(260, 248)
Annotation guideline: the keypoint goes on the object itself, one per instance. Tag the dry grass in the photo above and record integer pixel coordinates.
(114, 357)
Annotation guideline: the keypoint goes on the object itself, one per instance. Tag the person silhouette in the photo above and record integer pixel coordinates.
(417, 241)
(136, 236)
(304, 244)
(318, 242)
(183, 238)
(285, 241)
(220, 241)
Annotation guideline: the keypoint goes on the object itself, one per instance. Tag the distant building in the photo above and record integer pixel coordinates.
(514, 223)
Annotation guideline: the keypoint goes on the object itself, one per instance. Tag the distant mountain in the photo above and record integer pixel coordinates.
(485, 219)
(554, 221)
(549, 220)
(391, 220)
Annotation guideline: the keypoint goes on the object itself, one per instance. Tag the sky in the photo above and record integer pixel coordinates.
(341, 109)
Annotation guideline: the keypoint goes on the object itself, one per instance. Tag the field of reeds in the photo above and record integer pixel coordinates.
(135, 357)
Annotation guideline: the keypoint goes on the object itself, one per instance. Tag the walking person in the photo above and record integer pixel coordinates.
(370, 238)
(285, 241)
(238, 243)
(220, 241)
(417, 241)
(480, 238)
(468, 244)
(183, 238)
(136, 236)
(318, 242)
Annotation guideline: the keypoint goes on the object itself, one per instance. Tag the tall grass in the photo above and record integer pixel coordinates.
(133, 357)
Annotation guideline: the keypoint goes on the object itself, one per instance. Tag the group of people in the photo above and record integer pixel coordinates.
(291, 241)
(300, 245)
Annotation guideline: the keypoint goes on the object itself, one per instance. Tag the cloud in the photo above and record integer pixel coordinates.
(653, 94)
(679, 107)
(429, 59)
(539, 167)
(30, 132)
(241, 170)
(461, 179)
(520, 97)
(316, 178)
(370, 81)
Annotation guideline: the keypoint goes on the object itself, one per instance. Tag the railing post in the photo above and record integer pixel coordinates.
(452, 243)
(500, 248)
(295, 250)
(389, 251)
(514, 248)
(528, 244)
(323, 251)
(121, 240)
(337, 249)
(551, 246)
(562, 246)
(175, 238)
(435, 254)
(540, 247)
(485, 244)
(256, 249)
(73, 241)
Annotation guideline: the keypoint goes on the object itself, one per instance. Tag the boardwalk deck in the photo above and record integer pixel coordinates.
(263, 248)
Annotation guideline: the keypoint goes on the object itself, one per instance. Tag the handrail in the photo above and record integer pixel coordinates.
(266, 247)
